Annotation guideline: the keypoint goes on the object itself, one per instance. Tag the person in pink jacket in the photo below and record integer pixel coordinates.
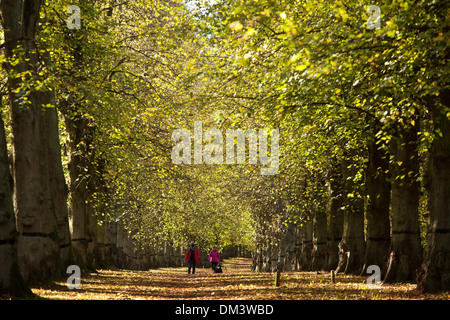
(214, 258)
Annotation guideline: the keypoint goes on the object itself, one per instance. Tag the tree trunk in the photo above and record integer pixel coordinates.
(435, 271)
(282, 250)
(406, 250)
(167, 249)
(377, 212)
(38, 248)
(335, 219)
(93, 253)
(58, 186)
(289, 259)
(128, 249)
(352, 245)
(153, 262)
(162, 260)
(175, 256)
(11, 281)
(267, 257)
(82, 222)
(298, 248)
(319, 240)
(258, 258)
(101, 231)
(110, 243)
(307, 245)
(120, 245)
(274, 254)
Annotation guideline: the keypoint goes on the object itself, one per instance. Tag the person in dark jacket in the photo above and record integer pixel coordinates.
(192, 256)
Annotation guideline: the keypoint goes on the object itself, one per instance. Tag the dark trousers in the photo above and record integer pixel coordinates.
(191, 265)
(214, 265)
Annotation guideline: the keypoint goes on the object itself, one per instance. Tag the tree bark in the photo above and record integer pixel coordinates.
(11, 281)
(93, 252)
(282, 249)
(296, 252)
(58, 186)
(289, 260)
(119, 244)
(307, 245)
(274, 254)
(38, 250)
(82, 222)
(435, 271)
(352, 245)
(335, 219)
(377, 212)
(101, 233)
(257, 258)
(267, 256)
(406, 250)
(319, 240)
(153, 262)
(110, 258)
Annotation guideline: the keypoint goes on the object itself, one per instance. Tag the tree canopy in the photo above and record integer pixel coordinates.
(354, 94)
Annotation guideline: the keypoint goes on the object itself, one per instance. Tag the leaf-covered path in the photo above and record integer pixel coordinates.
(237, 282)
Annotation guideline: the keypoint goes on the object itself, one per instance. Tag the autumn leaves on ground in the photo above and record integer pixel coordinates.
(236, 282)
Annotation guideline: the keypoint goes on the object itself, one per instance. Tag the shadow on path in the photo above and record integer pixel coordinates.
(236, 282)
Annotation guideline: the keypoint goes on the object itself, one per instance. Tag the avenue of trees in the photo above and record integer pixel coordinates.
(365, 117)
(87, 117)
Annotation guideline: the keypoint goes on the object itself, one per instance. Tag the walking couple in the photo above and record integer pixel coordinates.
(192, 257)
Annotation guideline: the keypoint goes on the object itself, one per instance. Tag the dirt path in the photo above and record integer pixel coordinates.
(237, 282)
